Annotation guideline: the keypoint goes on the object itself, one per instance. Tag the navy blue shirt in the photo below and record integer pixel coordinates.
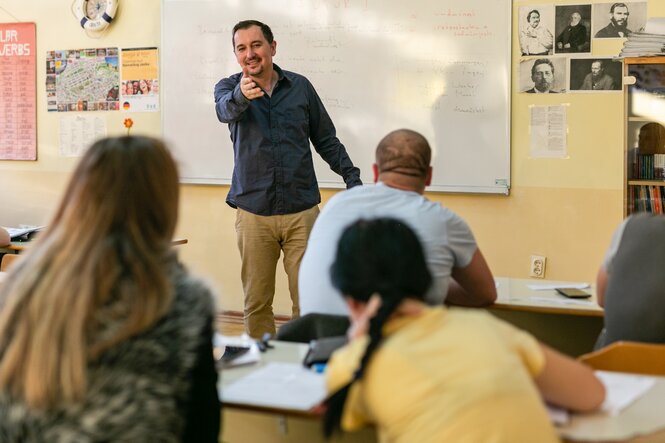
(273, 172)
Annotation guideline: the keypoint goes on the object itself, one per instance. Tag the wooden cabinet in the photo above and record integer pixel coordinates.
(644, 173)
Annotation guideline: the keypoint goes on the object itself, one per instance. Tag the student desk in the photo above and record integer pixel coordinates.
(571, 326)
(249, 423)
(17, 246)
(243, 422)
(514, 294)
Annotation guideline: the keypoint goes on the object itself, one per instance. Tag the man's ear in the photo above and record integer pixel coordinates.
(273, 47)
(428, 178)
(375, 170)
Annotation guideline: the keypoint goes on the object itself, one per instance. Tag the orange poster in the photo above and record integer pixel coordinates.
(18, 92)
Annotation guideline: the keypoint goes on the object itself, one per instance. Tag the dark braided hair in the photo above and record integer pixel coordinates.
(380, 256)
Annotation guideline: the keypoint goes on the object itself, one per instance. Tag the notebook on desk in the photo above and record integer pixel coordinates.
(17, 233)
(321, 349)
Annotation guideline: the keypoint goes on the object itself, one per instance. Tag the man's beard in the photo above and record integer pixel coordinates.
(624, 26)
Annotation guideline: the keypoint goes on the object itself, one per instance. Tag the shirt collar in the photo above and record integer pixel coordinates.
(281, 75)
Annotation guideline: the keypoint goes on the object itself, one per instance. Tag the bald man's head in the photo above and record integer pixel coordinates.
(402, 161)
(404, 152)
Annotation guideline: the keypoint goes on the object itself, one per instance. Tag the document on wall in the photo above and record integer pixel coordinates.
(139, 89)
(77, 132)
(18, 92)
(548, 126)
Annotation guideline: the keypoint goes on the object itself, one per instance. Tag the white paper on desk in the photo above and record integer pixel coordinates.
(219, 343)
(557, 415)
(561, 301)
(550, 286)
(278, 385)
(622, 389)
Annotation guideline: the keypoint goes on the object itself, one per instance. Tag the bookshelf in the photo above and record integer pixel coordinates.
(644, 172)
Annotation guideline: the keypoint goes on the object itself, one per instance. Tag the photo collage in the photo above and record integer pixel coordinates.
(556, 43)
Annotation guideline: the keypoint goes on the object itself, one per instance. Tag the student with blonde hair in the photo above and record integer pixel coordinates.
(432, 374)
(104, 336)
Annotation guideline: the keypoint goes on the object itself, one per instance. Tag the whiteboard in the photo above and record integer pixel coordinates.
(440, 67)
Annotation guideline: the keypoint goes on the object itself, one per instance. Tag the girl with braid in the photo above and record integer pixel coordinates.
(433, 374)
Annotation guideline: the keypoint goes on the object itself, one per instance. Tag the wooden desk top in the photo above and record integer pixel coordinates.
(18, 246)
(642, 421)
(285, 352)
(514, 294)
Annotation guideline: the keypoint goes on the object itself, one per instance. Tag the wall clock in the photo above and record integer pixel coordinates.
(95, 15)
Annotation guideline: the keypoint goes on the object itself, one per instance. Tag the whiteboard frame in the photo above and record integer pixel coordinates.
(502, 184)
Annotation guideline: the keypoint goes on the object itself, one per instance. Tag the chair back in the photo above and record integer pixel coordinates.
(628, 356)
(313, 326)
(7, 260)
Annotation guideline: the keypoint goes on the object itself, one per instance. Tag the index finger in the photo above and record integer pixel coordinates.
(245, 71)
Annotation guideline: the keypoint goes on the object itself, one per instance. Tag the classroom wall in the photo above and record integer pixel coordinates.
(564, 209)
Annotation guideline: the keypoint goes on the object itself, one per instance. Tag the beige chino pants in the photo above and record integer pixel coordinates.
(260, 241)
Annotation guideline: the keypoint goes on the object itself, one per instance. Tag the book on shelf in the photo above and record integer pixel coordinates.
(645, 198)
(649, 167)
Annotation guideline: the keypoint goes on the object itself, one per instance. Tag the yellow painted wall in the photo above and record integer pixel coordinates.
(563, 209)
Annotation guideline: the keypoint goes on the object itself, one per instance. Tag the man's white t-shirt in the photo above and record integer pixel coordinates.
(447, 241)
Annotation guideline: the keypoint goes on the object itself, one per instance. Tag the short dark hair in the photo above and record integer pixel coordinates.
(245, 24)
(542, 61)
(618, 5)
(528, 16)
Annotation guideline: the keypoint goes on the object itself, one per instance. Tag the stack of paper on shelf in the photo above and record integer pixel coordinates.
(645, 43)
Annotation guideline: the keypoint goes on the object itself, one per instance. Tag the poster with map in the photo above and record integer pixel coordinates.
(82, 80)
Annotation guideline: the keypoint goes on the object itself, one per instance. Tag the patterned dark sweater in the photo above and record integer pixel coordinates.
(159, 386)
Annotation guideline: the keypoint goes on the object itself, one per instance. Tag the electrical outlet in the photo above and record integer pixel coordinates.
(537, 268)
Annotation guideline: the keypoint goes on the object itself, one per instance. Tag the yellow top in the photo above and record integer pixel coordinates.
(448, 375)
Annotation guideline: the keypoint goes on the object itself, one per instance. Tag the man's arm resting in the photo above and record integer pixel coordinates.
(323, 135)
(472, 285)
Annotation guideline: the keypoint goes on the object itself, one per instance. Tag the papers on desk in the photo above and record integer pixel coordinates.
(278, 385)
(562, 301)
(221, 342)
(15, 233)
(550, 286)
(622, 389)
